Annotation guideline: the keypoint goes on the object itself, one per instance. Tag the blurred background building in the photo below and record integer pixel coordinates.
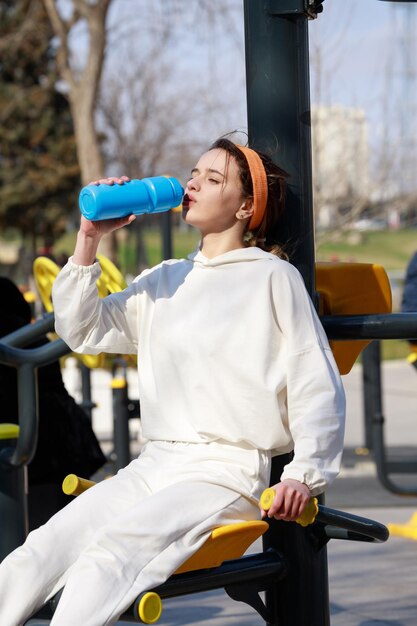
(340, 160)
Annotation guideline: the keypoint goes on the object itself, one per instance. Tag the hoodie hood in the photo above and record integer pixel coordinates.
(233, 256)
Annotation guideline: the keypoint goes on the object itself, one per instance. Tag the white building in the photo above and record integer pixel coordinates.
(340, 159)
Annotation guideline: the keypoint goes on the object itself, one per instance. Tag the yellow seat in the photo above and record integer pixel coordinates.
(351, 289)
(224, 543)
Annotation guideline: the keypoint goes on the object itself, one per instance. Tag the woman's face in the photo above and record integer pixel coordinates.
(214, 193)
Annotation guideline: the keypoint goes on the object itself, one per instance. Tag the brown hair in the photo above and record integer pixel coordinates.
(265, 235)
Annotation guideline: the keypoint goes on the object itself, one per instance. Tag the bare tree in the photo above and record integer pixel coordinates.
(82, 85)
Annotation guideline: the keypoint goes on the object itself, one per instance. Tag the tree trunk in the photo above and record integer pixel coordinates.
(83, 88)
(88, 149)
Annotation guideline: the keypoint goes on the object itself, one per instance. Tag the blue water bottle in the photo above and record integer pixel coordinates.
(148, 195)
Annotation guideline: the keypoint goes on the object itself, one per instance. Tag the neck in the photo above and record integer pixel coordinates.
(214, 244)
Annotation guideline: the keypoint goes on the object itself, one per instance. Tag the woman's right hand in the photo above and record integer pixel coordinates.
(111, 180)
(91, 232)
(99, 228)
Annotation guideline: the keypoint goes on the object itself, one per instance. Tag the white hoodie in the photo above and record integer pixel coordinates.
(229, 349)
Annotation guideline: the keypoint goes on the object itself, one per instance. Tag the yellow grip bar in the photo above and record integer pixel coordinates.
(74, 485)
(307, 517)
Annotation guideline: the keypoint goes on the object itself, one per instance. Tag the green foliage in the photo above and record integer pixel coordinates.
(39, 172)
(390, 248)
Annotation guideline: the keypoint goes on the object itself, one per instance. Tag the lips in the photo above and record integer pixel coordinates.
(187, 200)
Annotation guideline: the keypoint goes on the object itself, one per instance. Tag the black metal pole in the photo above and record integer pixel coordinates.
(372, 389)
(87, 403)
(278, 99)
(13, 498)
(121, 421)
(302, 597)
(166, 228)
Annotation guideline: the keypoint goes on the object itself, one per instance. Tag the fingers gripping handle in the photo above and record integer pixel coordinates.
(307, 517)
(337, 524)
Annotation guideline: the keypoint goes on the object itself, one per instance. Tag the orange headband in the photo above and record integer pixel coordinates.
(259, 183)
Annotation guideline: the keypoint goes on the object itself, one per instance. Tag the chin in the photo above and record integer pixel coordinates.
(189, 218)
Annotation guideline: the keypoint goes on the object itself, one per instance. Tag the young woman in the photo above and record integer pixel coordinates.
(234, 367)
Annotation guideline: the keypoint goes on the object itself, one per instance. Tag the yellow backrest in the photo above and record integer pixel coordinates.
(352, 289)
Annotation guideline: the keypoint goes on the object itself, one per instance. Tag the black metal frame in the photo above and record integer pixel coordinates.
(376, 327)
(243, 579)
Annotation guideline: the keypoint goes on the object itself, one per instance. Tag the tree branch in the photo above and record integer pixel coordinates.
(60, 28)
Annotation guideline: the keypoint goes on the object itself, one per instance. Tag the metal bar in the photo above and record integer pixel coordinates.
(13, 504)
(357, 528)
(87, 403)
(31, 332)
(26, 361)
(121, 422)
(372, 392)
(248, 568)
(278, 102)
(37, 357)
(401, 467)
(383, 466)
(257, 567)
(383, 326)
(302, 596)
(279, 123)
(166, 231)
(27, 441)
(374, 417)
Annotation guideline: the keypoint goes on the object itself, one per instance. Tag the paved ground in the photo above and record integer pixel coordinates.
(370, 584)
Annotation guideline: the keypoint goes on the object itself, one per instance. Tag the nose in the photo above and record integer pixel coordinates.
(193, 183)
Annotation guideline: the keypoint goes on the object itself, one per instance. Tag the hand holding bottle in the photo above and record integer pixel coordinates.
(91, 232)
(104, 199)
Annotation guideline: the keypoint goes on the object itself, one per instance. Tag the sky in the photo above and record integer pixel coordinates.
(366, 47)
(366, 40)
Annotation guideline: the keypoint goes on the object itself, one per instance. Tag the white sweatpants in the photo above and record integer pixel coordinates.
(131, 532)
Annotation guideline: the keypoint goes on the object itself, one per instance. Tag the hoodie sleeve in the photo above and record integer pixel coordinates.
(90, 324)
(315, 394)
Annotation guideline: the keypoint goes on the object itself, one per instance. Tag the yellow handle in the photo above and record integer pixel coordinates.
(149, 608)
(307, 517)
(74, 485)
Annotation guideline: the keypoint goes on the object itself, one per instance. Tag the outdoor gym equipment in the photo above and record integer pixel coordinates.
(349, 289)
(392, 326)
(19, 446)
(13, 500)
(149, 195)
(220, 562)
